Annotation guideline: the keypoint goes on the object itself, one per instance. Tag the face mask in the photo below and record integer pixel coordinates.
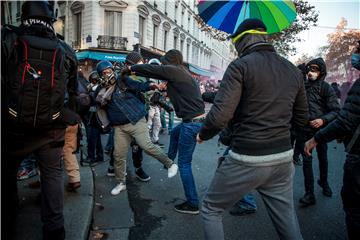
(108, 79)
(355, 61)
(312, 76)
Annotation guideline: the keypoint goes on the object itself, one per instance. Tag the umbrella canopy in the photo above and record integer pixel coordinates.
(227, 15)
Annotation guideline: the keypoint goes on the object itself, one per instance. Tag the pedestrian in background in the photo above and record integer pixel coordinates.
(259, 95)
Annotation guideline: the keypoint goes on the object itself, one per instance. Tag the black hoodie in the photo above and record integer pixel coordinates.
(183, 90)
(321, 96)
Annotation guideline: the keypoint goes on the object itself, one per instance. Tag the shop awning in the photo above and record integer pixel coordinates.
(101, 56)
(199, 71)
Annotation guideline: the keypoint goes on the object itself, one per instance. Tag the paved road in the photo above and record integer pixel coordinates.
(145, 211)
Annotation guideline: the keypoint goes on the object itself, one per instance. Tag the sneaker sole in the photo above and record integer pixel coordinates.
(143, 179)
(187, 212)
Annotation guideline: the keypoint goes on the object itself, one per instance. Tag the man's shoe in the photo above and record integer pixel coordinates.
(172, 171)
(308, 199)
(71, 187)
(186, 208)
(239, 211)
(26, 172)
(325, 188)
(118, 188)
(111, 172)
(57, 234)
(141, 175)
(159, 144)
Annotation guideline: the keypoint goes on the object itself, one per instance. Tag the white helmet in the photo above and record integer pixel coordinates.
(154, 61)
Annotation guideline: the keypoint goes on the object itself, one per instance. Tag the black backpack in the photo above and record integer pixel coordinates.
(38, 84)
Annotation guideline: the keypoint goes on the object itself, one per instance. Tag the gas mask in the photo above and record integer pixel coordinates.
(355, 60)
(108, 79)
(313, 76)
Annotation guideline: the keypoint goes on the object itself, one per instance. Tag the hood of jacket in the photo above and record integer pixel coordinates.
(249, 40)
(321, 63)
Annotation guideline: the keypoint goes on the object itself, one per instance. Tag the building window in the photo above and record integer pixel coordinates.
(182, 46)
(187, 52)
(141, 29)
(175, 42)
(10, 13)
(182, 18)
(18, 10)
(189, 20)
(77, 28)
(165, 2)
(176, 13)
(165, 39)
(112, 23)
(155, 33)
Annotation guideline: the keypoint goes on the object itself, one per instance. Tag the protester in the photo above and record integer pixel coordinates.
(32, 53)
(347, 126)
(247, 204)
(259, 95)
(323, 108)
(185, 95)
(127, 116)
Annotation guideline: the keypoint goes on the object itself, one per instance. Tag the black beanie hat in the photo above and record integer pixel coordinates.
(248, 24)
(133, 58)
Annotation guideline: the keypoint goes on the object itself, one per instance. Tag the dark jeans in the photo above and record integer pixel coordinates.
(183, 139)
(94, 143)
(47, 147)
(321, 150)
(137, 155)
(110, 141)
(350, 194)
(297, 147)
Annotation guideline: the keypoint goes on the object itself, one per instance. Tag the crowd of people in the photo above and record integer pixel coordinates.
(267, 111)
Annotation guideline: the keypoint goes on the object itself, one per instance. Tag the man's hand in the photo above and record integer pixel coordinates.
(162, 86)
(154, 86)
(198, 139)
(309, 146)
(317, 123)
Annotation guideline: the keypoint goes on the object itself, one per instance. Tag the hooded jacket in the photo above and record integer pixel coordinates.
(321, 97)
(261, 93)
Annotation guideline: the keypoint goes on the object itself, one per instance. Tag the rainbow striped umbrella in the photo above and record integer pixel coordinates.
(227, 15)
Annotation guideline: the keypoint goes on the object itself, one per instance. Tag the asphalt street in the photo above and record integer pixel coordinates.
(145, 210)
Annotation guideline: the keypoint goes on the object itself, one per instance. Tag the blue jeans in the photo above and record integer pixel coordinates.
(183, 139)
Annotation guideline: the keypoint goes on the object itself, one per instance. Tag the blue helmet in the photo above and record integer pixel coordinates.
(101, 66)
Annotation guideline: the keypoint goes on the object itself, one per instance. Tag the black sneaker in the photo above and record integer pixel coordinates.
(159, 144)
(141, 175)
(326, 188)
(308, 199)
(239, 211)
(186, 208)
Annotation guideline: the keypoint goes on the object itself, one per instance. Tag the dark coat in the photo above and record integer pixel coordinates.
(321, 98)
(348, 119)
(261, 92)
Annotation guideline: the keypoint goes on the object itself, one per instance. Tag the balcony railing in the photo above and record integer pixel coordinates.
(112, 42)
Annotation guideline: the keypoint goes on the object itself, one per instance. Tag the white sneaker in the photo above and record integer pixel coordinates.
(172, 171)
(118, 188)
